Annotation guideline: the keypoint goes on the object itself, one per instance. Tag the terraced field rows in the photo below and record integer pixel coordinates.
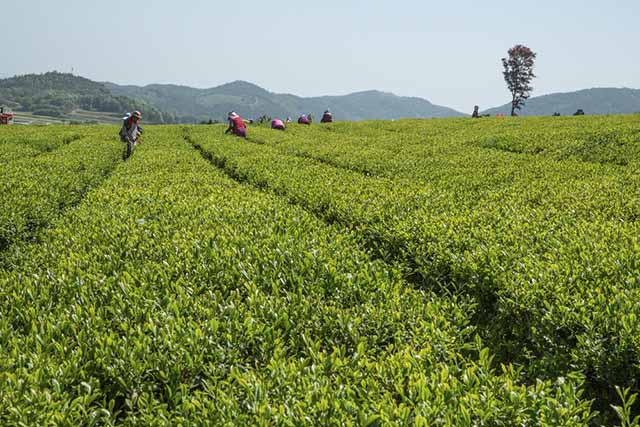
(548, 248)
(446, 273)
(50, 175)
(17, 142)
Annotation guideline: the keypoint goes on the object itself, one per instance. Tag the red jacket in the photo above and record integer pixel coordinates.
(238, 123)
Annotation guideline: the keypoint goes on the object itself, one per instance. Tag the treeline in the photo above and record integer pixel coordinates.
(57, 94)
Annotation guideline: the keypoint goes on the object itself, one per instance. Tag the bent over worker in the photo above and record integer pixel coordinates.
(304, 120)
(277, 124)
(236, 125)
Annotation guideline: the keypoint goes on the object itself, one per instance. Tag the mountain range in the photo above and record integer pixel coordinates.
(250, 100)
(591, 101)
(67, 97)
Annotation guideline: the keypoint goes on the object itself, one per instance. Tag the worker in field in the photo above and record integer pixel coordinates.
(304, 120)
(476, 112)
(236, 125)
(327, 117)
(131, 129)
(277, 124)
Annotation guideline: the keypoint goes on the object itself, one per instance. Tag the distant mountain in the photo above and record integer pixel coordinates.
(592, 101)
(62, 95)
(73, 98)
(253, 101)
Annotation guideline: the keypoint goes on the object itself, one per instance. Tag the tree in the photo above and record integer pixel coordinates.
(518, 73)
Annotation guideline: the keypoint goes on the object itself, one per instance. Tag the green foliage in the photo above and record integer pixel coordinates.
(174, 295)
(56, 94)
(50, 175)
(535, 219)
(17, 142)
(624, 411)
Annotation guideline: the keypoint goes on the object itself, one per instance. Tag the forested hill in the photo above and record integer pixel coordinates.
(58, 95)
(252, 101)
(68, 97)
(591, 101)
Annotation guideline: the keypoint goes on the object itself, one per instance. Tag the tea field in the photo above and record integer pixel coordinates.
(450, 272)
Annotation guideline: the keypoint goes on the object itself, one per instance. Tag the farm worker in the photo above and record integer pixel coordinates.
(327, 117)
(475, 114)
(236, 125)
(304, 120)
(277, 124)
(131, 129)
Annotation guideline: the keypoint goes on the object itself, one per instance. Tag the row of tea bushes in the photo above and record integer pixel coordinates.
(173, 295)
(549, 255)
(35, 189)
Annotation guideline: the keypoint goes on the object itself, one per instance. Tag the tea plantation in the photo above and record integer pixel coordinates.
(450, 272)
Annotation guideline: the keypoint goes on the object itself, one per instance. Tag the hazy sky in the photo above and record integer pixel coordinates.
(446, 51)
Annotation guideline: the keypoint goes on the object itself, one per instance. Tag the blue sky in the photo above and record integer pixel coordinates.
(447, 52)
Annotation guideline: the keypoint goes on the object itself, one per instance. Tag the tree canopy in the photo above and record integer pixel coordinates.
(518, 73)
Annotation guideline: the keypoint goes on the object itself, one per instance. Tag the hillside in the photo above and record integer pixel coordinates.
(592, 101)
(252, 101)
(65, 97)
(59, 97)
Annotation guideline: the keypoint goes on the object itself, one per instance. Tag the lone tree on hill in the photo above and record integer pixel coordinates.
(518, 73)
